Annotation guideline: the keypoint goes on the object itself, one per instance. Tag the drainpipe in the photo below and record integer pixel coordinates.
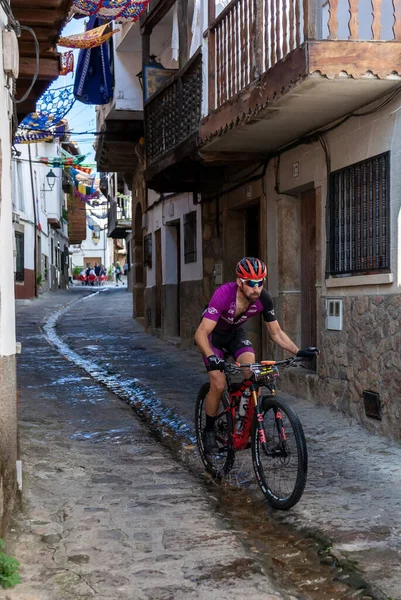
(35, 237)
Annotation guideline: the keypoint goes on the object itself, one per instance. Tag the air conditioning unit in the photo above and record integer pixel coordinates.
(16, 217)
(10, 54)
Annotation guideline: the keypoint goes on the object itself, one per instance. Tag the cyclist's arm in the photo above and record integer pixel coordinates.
(205, 328)
(280, 338)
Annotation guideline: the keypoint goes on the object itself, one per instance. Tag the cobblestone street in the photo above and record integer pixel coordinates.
(110, 512)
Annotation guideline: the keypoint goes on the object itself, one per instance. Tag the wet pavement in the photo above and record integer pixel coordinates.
(346, 525)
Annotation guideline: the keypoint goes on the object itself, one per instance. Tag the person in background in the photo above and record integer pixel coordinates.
(118, 274)
(126, 269)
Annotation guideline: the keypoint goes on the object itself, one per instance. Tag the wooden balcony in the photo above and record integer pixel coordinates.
(172, 119)
(119, 218)
(279, 69)
(76, 219)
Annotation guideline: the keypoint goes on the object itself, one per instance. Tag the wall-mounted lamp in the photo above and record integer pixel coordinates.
(51, 180)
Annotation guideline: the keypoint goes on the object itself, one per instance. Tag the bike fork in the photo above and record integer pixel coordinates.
(259, 420)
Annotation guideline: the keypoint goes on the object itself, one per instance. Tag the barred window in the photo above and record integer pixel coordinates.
(19, 244)
(190, 237)
(360, 217)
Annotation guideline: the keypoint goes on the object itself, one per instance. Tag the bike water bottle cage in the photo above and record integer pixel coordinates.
(253, 282)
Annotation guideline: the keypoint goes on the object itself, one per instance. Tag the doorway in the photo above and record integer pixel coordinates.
(308, 268)
(159, 279)
(252, 231)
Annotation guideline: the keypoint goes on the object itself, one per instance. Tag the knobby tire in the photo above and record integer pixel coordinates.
(217, 465)
(268, 469)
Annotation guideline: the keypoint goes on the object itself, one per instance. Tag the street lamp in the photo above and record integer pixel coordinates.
(51, 180)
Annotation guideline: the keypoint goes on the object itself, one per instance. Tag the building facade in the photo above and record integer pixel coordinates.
(298, 144)
(38, 198)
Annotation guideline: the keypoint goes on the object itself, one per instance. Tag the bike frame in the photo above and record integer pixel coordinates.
(239, 439)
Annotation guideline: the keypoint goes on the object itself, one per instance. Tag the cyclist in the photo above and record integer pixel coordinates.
(220, 330)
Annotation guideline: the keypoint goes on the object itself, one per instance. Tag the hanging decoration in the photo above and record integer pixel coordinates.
(27, 137)
(91, 38)
(83, 169)
(81, 188)
(93, 80)
(51, 107)
(62, 161)
(67, 62)
(121, 11)
(34, 137)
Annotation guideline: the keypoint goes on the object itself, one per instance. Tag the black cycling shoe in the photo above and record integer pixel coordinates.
(209, 441)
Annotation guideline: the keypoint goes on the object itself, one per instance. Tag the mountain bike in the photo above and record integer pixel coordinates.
(266, 423)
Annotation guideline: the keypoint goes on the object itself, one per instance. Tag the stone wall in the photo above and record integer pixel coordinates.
(212, 228)
(193, 303)
(365, 355)
(8, 439)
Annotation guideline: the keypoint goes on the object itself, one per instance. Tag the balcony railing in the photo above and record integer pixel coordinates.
(172, 115)
(249, 37)
(119, 216)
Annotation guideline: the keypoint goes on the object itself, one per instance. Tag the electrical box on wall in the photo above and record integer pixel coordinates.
(10, 53)
(334, 314)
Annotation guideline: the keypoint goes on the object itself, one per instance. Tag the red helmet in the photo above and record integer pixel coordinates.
(251, 268)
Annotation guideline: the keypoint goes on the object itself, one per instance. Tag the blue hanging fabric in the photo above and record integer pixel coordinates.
(93, 80)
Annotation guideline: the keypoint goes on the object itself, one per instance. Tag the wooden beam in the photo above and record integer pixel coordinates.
(183, 32)
(52, 4)
(49, 68)
(157, 10)
(44, 34)
(29, 49)
(39, 16)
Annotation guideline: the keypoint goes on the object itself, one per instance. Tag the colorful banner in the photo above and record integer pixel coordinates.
(67, 62)
(90, 39)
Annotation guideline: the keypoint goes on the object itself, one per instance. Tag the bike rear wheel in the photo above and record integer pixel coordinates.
(281, 473)
(221, 463)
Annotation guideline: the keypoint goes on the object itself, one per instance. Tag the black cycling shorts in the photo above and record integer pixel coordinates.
(234, 343)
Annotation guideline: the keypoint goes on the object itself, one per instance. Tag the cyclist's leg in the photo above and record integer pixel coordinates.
(242, 350)
(217, 387)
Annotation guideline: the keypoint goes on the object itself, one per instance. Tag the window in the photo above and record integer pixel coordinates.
(19, 246)
(360, 218)
(190, 237)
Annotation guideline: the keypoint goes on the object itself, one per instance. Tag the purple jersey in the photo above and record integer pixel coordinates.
(222, 307)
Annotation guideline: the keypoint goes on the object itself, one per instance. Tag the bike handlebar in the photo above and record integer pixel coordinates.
(236, 367)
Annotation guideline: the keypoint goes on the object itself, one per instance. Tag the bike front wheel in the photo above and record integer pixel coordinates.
(281, 468)
(220, 463)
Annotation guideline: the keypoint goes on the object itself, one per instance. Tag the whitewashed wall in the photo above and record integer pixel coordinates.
(159, 217)
(7, 310)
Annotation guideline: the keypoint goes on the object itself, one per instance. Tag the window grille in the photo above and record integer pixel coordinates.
(19, 244)
(360, 217)
(190, 237)
(147, 251)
